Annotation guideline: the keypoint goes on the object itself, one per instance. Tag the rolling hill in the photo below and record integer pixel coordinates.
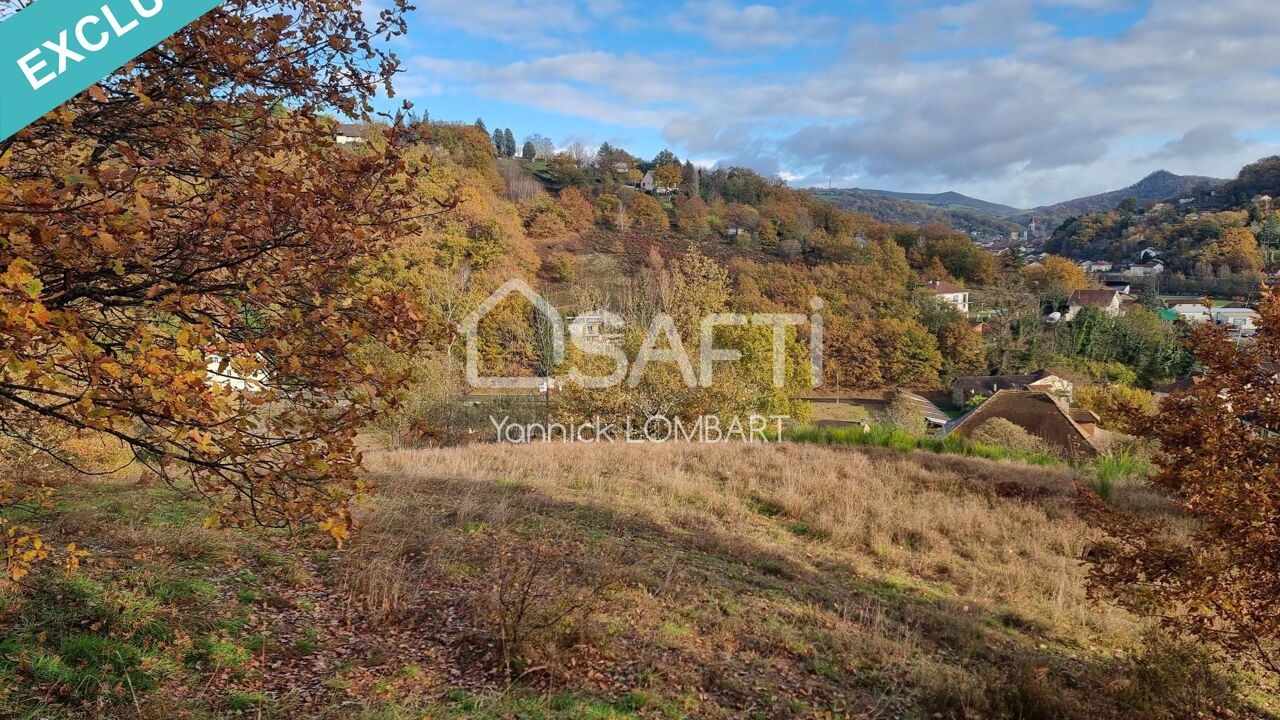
(987, 218)
(1159, 185)
(889, 208)
(953, 201)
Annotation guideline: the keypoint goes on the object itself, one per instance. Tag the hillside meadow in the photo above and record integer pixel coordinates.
(610, 581)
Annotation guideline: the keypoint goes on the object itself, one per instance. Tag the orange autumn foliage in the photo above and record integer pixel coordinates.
(1221, 459)
(179, 256)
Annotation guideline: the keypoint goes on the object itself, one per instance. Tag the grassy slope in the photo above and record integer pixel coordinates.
(612, 581)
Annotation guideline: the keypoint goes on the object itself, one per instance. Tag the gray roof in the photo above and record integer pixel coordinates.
(988, 384)
(930, 411)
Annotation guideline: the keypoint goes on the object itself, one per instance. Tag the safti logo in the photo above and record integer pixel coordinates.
(652, 349)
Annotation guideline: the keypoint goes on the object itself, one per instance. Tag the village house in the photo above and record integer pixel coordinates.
(348, 133)
(965, 389)
(594, 326)
(1097, 266)
(650, 184)
(1239, 320)
(1144, 270)
(1106, 300)
(1150, 254)
(1074, 434)
(951, 294)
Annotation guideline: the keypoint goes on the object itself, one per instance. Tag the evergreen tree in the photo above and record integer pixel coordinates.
(666, 157)
(691, 178)
(498, 144)
(530, 152)
(1148, 297)
(481, 126)
(509, 142)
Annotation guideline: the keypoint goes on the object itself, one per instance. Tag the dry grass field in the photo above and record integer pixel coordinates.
(770, 581)
(611, 581)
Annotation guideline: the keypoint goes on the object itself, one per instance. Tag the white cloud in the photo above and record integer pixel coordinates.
(730, 26)
(982, 95)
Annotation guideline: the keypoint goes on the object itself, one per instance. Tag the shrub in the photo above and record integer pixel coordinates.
(564, 267)
(539, 594)
(1002, 432)
(1122, 466)
(609, 212)
(1174, 679)
(1120, 408)
(905, 416)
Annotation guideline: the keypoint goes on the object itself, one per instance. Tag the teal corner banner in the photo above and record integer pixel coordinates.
(54, 49)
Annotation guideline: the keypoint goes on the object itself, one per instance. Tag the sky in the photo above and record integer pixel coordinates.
(1024, 102)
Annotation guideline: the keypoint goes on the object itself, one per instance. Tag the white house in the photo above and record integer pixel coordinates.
(1147, 269)
(347, 134)
(596, 326)
(650, 185)
(1242, 321)
(1107, 300)
(951, 294)
(1150, 254)
(1097, 266)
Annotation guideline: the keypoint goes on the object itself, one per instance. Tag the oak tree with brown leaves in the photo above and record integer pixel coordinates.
(178, 253)
(1220, 457)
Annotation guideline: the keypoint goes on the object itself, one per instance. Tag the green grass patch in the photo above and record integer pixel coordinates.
(892, 438)
(1108, 471)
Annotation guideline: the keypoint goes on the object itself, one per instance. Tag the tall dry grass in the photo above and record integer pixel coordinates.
(885, 515)
(752, 574)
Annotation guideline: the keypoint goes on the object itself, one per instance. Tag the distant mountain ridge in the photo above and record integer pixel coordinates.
(888, 208)
(1158, 186)
(952, 200)
(988, 218)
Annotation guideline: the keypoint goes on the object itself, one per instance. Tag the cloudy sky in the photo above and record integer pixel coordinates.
(1024, 102)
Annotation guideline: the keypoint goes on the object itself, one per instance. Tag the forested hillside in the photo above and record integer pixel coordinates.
(952, 201)
(889, 208)
(1217, 243)
(1158, 186)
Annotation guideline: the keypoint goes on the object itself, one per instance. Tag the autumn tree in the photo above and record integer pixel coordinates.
(578, 213)
(668, 176)
(1236, 248)
(1220, 458)
(1120, 407)
(648, 214)
(691, 216)
(908, 353)
(964, 353)
(179, 254)
(610, 212)
(1055, 276)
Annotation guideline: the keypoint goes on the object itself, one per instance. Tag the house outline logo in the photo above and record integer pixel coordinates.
(471, 327)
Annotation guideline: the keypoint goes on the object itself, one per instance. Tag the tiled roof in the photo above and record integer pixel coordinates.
(942, 287)
(1095, 298)
(1036, 412)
